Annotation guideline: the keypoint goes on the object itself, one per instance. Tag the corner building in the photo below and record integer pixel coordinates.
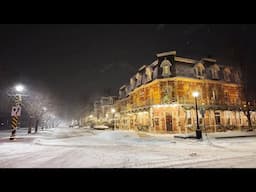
(158, 98)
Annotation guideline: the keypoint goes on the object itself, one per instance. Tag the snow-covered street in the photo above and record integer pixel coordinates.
(88, 148)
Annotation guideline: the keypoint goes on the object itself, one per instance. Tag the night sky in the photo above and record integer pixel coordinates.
(77, 63)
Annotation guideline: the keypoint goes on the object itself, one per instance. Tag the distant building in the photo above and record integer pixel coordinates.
(102, 109)
(158, 98)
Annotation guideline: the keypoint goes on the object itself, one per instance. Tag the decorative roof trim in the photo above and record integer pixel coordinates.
(185, 60)
(143, 67)
(154, 63)
(166, 53)
(124, 86)
(209, 59)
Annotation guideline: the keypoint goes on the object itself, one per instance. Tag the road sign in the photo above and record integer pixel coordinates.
(16, 111)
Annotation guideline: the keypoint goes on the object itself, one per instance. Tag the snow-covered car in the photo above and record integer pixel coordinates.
(100, 127)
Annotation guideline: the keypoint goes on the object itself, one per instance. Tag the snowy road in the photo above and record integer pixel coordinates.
(86, 148)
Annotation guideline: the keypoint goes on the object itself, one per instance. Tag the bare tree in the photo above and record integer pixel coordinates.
(34, 105)
(239, 51)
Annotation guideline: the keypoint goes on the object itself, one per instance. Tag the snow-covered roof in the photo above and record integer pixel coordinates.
(166, 53)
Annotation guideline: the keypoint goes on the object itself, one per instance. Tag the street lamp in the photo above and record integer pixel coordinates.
(113, 112)
(44, 109)
(19, 88)
(195, 94)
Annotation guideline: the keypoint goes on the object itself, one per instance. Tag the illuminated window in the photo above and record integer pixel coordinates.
(149, 73)
(214, 94)
(228, 117)
(227, 74)
(132, 83)
(156, 121)
(138, 79)
(189, 120)
(166, 64)
(215, 71)
(199, 70)
(155, 73)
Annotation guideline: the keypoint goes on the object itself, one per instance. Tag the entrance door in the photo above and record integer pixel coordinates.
(168, 119)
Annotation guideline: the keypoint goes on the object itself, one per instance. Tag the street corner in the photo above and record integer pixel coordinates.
(16, 140)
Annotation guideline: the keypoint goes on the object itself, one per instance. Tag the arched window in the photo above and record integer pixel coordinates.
(214, 95)
(227, 74)
(132, 83)
(215, 71)
(149, 73)
(138, 79)
(155, 72)
(165, 65)
(199, 70)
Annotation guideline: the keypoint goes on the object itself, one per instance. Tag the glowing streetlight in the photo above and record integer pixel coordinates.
(91, 116)
(113, 110)
(19, 88)
(195, 94)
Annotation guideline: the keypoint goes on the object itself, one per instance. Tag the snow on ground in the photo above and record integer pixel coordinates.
(90, 148)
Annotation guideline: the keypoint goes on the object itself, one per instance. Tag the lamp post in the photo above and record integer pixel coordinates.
(16, 110)
(195, 94)
(113, 112)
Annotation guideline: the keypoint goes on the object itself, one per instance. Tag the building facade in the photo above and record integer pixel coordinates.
(102, 110)
(158, 98)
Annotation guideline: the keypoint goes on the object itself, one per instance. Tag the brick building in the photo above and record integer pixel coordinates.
(158, 98)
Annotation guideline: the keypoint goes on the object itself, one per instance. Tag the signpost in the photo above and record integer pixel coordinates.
(15, 114)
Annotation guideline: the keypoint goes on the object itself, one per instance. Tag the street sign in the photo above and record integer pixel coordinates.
(16, 111)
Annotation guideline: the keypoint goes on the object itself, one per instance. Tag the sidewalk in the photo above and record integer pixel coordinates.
(220, 135)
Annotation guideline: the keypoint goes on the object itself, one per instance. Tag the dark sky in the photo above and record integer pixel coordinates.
(76, 63)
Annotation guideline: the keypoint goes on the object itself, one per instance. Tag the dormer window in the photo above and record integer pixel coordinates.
(215, 71)
(155, 72)
(166, 64)
(132, 83)
(199, 70)
(148, 74)
(227, 74)
(138, 79)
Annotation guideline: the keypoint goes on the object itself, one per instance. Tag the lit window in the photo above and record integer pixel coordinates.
(215, 71)
(138, 78)
(214, 95)
(199, 70)
(166, 64)
(189, 120)
(149, 73)
(132, 83)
